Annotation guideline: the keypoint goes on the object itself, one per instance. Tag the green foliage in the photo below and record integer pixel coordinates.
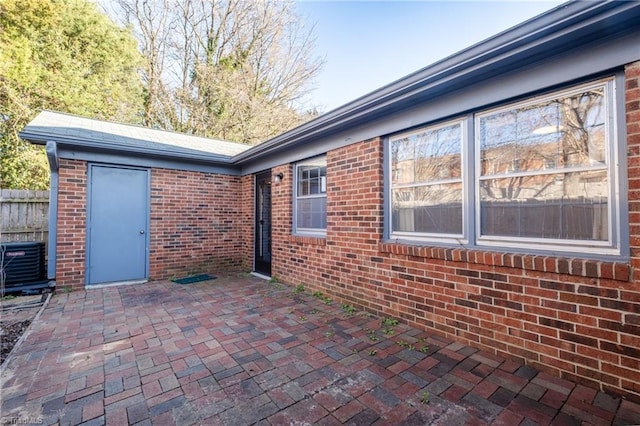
(299, 289)
(406, 345)
(424, 398)
(319, 295)
(424, 349)
(388, 325)
(65, 56)
(389, 322)
(349, 309)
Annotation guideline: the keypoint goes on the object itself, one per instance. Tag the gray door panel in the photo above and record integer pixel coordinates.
(117, 224)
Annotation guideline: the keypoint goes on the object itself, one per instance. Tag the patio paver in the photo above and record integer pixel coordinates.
(241, 351)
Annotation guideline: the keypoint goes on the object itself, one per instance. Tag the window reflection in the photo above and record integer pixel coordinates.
(556, 134)
(427, 155)
(427, 180)
(541, 175)
(560, 206)
(432, 209)
(543, 169)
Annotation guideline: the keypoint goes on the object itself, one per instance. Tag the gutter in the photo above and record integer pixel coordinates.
(81, 143)
(54, 163)
(553, 26)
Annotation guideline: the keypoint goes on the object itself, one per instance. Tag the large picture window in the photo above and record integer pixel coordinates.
(540, 176)
(310, 207)
(544, 168)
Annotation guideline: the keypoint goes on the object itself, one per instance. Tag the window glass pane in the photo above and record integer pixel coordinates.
(311, 180)
(311, 201)
(312, 213)
(428, 209)
(561, 206)
(402, 160)
(427, 156)
(302, 190)
(438, 154)
(403, 204)
(554, 134)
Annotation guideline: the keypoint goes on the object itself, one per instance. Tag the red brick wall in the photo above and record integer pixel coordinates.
(576, 318)
(196, 223)
(247, 220)
(72, 224)
(632, 105)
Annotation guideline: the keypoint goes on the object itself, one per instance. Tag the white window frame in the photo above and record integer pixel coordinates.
(313, 232)
(471, 178)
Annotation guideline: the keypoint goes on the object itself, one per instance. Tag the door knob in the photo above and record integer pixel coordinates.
(142, 231)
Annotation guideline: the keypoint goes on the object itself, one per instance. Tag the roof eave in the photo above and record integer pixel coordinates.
(115, 148)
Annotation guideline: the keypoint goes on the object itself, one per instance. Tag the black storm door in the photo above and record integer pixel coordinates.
(263, 223)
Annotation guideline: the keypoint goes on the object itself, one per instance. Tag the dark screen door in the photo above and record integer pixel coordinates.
(263, 223)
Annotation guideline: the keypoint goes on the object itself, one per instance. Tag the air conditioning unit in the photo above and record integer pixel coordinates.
(23, 267)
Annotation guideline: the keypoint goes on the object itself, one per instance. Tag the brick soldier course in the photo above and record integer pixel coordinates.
(239, 350)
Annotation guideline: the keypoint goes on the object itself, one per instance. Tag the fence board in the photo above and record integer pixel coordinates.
(24, 215)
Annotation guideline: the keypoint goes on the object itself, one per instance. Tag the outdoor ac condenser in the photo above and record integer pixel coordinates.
(23, 266)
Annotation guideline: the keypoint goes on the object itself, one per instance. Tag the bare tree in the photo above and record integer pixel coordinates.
(230, 69)
(152, 24)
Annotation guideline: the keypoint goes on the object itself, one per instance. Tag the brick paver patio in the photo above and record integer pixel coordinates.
(240, 351)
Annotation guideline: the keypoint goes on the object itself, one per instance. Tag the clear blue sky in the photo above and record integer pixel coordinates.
(368, 44)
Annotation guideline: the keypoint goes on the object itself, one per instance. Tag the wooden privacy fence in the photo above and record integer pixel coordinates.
(24, 215)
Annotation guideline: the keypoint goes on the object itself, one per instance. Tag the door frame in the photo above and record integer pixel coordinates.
(262, 267)
(87, 251)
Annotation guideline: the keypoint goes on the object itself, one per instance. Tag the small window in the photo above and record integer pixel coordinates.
(310, 206)
(426, 184)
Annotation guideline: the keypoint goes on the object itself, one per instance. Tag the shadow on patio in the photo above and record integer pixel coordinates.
(240, 351)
